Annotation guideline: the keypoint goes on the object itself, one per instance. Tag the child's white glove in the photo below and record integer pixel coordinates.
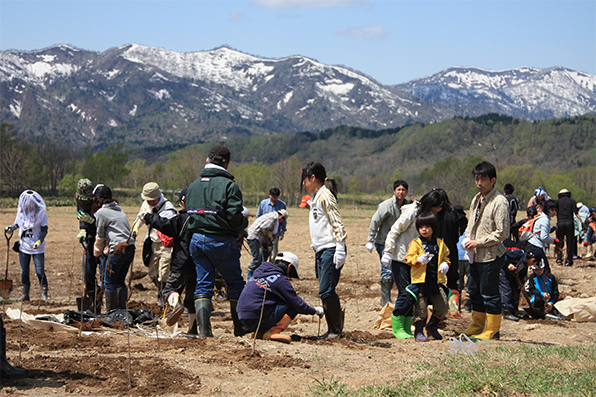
(425, 258)
(370, 246)
(319, 311)
(386, 259)
(444, 267)
(339, 258)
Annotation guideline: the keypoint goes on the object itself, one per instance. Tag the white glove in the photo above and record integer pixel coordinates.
(339, 258)
(425, 258)
(319, 311)
(444, 267)
(141, 215)
(463, 243)
(386, 259)
(370, 246)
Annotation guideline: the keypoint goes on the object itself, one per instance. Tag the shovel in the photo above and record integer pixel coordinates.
(6, 284)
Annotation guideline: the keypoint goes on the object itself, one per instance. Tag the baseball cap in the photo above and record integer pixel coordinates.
(538, 265)
(150, 191)
(593, 209)
(304, 201)
(284, 213)
(290, 259)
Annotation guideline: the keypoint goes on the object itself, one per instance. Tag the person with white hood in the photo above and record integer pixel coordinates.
(32, 221)
(157, 249)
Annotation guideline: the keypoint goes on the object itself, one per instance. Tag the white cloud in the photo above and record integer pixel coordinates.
(364, 32)
(297, 4)
(237, 16)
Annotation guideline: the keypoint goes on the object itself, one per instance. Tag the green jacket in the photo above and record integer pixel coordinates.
(214, 203)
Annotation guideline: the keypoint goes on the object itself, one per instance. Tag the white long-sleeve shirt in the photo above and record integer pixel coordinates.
(326, 226)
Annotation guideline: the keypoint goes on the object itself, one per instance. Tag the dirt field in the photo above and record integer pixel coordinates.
(98, 363)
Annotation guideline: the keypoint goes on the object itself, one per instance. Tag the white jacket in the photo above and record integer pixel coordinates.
(402, 232)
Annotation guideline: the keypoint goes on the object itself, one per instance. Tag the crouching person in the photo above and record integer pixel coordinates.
(270, 292)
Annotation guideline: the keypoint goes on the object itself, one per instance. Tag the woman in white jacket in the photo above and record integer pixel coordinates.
(540, 232)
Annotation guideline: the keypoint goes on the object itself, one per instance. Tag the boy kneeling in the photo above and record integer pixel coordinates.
(270, 292)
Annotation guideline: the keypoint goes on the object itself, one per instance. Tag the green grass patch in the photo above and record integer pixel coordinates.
(504, 371)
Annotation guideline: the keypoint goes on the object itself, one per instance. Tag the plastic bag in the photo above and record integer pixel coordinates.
(466, 346)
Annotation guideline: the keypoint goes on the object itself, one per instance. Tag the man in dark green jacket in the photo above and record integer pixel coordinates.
(214, 203)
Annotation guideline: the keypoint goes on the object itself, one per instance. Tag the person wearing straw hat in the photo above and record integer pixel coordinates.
(32, 221)
(159, 256)
(112, 229)
(269, 303)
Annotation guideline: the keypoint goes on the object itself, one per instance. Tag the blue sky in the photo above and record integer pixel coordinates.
(393, 41)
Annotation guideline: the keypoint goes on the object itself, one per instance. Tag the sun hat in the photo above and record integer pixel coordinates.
(290, 259)
(284, 213)
(151, 191)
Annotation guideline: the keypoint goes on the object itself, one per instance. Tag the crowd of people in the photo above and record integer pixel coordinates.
(428, 248)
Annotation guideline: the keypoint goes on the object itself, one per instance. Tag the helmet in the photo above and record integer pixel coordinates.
(288, 262)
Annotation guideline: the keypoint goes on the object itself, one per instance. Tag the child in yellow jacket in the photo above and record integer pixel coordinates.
(429, 258)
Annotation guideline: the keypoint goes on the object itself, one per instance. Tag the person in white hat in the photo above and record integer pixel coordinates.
(157, 248)
(268, 303)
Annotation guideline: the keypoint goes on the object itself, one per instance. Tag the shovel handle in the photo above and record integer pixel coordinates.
(8, 237)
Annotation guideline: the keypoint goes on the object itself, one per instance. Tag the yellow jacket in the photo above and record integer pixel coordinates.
(418, 272)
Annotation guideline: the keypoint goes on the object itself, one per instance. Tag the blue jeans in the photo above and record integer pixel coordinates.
(328, 274)
(210, 252)
(116, 269)
(483, 286)
(38, 261)
(385, 271)
(259, 255)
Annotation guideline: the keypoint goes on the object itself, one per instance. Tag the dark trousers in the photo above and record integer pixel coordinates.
(401, 276)
(484, 286)
(566, 235)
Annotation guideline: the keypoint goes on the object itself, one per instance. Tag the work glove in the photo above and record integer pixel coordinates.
(142, 214)
(370, 246)
(444, 267)
(386, 259)
(82, 235)
(586, 244)
(10, 229)
(425, 258)
(319, 311)
(557, 241)
(37, 244)
(85, 217)
(339, 258)
(553, 228)
(463, 243)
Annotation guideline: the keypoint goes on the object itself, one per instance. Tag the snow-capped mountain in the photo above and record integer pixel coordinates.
(151, 97)
(526, 93)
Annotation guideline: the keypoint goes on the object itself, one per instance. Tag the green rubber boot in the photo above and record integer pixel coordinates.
(399, 329)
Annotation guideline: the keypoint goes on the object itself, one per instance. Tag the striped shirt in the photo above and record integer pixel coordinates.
(490, 227)
(264, 227)
(326, 226)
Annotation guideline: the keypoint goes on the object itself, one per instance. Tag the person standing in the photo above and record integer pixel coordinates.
(260, 237)
(158, 258)
(380, 224)
(538, 199)
(214, 204)
(112, 229)
(86, 236)
(32, 221)
(272, 204)
(328, 237)
(513, 208)
(487, 229)
(566, 213)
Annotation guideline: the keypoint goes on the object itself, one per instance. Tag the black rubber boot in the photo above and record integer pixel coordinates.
(386, 285)
(334, 317)
(111, 300)
(25, 293)
(121, 297)
(203, 309)
(238, 328)
(418, 331)
(432, 328)
(8, 371)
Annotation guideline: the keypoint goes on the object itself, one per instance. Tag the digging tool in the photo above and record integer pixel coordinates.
(82, 300)
(534, 313)
(6, 284)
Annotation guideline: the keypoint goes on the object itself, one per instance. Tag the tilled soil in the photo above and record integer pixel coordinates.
(111, 361)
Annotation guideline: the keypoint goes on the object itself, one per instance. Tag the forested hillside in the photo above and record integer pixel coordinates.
(553, 153)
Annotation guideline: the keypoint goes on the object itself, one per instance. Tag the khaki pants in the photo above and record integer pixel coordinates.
(439, 302)
(159, 264)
